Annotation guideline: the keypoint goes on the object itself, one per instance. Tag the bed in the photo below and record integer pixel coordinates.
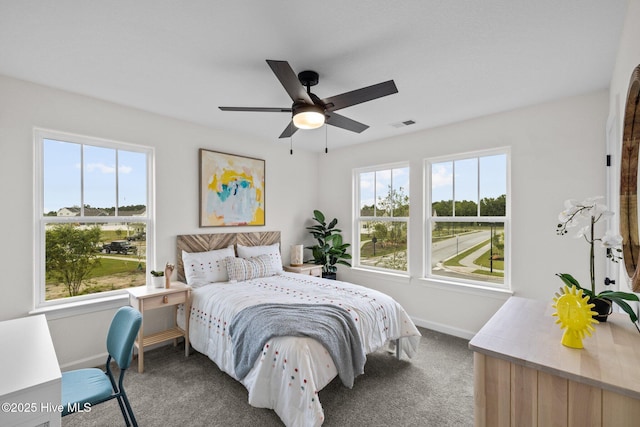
(237, 275)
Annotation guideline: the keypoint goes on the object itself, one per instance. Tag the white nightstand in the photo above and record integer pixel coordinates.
(144, 299)
(310, 269)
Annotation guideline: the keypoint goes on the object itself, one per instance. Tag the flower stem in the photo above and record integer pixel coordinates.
(592, 262)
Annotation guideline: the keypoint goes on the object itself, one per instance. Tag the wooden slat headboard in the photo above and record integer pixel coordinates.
(209, 242)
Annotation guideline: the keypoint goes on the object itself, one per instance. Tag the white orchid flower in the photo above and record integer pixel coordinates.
(611, 240)
(599, 209)
(585, 215)
(565, 216)
(583, 232)
(592, 200)
(571, 207)
(570, 203)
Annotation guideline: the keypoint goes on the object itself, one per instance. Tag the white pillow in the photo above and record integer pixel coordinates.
(201, 268)
(272, 250)
(251, 268)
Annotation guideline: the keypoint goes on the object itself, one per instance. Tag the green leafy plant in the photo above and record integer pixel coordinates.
(71, 255)
(157, 273)
(330, 249)
(585, 215)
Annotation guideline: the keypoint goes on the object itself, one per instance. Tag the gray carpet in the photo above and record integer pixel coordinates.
(435, 388)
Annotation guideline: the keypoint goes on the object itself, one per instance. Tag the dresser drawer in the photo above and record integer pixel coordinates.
(162, 300)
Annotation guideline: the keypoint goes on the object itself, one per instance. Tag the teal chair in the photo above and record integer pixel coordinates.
(83, 388)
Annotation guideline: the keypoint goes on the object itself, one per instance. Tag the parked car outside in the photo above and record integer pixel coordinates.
(119, 246)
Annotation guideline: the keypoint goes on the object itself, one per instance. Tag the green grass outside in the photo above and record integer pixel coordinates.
(366, 251)
(110, 274)
(110, 266)
(488, 273)
(485, 261)
(455, 261)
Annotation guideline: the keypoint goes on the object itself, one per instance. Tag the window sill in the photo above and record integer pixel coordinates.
(466, 288)
(398, 277)
(59, 311)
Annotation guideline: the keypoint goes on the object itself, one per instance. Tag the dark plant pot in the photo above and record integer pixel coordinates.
(603, 308)
(331, 276)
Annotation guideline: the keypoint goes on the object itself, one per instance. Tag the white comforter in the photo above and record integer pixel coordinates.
(292, 370)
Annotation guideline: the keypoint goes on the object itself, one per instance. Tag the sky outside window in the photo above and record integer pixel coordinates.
(63, 180)
(375, 185)
(490, 170)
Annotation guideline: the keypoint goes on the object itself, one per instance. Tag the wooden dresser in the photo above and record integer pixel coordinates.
(524, 376)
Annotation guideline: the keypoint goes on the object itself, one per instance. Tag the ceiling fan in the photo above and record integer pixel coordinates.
(309, 111)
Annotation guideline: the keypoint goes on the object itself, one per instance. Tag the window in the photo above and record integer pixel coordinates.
(93, 216)
(382, 218)
(467, 218)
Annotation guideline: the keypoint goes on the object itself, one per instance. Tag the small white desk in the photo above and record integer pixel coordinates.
(30, 385)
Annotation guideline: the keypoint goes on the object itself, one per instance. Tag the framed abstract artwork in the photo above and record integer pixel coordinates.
(231, 190)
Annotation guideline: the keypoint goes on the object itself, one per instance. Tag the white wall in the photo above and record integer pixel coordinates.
(557, 152)
(24, 106)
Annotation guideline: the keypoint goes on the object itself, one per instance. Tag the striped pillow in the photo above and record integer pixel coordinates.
(240, 269)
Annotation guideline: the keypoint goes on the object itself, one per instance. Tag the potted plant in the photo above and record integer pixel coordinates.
(586, 214)
(157, 279)
(330, 249)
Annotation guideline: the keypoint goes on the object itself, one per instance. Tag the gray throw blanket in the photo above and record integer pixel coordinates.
(332, 326)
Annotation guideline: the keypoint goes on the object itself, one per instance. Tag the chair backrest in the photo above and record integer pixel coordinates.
(122, 334)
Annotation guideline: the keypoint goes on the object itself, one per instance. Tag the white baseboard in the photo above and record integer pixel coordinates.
(445, 329)
(99, 360)
(88, 362)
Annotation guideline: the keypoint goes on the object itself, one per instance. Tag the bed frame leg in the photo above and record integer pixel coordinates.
(398, 349)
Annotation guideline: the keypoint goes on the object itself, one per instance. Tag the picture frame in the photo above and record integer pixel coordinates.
(232, 190)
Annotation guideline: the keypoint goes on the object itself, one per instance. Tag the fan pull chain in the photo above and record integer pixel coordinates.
(291, 141)
(326, 150)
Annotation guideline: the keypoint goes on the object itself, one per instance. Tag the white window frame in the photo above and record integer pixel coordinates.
(357, 218)
(96, 300)
(430, 219)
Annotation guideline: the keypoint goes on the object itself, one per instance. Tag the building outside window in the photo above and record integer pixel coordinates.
(93, 214)
(382, 218)
(467, 218)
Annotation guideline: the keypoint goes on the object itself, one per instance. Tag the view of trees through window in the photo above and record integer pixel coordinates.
(84, 259)
(94, 217)
(383, 218)
(467, 221)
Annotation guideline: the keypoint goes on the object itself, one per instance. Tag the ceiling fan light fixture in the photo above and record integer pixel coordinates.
(307, 116)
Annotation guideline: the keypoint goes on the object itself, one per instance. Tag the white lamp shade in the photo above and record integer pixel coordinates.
(307, 116)
(308, 120)
(297, 255)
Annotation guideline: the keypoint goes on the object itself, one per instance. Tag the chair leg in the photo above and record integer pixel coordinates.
(122, 409)
(129, 410)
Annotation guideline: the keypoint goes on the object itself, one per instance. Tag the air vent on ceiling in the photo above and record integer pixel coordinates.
(403, 124)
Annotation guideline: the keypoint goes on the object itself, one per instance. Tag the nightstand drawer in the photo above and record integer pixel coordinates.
(316, 271)
(167, 299)
(310, 269)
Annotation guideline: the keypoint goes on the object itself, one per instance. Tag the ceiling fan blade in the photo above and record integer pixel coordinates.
(289, 130)
(289, 80)
(257, 109)
(359, 96)
(343, 122)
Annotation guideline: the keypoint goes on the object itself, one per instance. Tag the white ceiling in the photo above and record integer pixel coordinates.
(451, 60)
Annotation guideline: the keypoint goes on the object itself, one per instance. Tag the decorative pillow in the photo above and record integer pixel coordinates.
(240, 269)
(201, 268)
(272, 250)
